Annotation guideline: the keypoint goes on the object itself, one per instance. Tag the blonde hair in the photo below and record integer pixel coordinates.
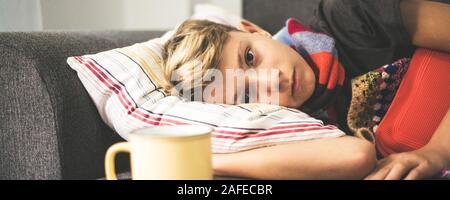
(195, 47)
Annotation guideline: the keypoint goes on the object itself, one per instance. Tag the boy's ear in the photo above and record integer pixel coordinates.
(249, 27)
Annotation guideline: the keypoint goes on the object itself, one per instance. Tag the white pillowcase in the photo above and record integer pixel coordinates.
(124, 82)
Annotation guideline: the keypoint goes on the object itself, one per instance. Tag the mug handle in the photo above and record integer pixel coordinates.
(110, 158)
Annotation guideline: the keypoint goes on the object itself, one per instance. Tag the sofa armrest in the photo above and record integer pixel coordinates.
(49, 127)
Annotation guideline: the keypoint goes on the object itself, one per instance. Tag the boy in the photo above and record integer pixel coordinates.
(376, 33)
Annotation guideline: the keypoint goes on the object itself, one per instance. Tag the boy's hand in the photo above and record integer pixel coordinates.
(419, 164)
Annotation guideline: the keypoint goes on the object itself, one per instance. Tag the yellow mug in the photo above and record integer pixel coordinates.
(165, 152)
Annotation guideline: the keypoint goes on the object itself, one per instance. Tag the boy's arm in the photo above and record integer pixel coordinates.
(421, 163)
(334, 158)
(428, 23)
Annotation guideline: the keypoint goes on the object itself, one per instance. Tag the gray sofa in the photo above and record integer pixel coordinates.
(50, 129)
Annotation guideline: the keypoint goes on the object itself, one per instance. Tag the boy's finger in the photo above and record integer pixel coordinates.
(397, 172)
(379, 174)
(413, 175)
(417, 173)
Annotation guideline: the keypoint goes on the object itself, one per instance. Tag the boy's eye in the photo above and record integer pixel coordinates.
(249, 57)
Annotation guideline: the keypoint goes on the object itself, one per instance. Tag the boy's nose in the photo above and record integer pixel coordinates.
(284, 81)
(274, 79)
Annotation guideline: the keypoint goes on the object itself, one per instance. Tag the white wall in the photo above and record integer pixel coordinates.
(20, 15)
(233, 6)
(82, 14)
(155, 14)
(122, 14)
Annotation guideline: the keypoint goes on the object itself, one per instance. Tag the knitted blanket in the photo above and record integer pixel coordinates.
(372, 94)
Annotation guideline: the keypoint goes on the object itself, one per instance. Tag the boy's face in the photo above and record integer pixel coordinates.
(280, 70)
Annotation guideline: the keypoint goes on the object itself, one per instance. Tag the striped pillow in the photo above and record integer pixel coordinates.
(125, 85)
